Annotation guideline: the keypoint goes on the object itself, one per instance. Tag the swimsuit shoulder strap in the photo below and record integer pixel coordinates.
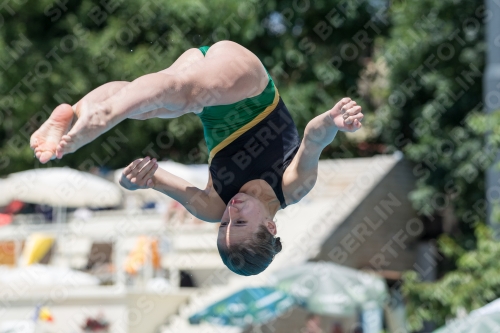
(204, 49)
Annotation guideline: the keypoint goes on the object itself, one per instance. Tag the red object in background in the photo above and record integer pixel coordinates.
(5, 219)
(14, 207)
(98, 324)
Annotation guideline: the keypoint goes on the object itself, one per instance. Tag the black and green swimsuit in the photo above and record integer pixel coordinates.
(254, 138)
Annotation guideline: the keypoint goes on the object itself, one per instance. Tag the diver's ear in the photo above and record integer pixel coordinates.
(271, 226)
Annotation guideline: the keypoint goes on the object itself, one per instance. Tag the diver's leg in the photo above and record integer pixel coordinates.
(45, 140)
(228, 74)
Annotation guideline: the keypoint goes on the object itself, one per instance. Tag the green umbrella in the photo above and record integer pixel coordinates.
(250, 306)
(330, 289)
(483, 320)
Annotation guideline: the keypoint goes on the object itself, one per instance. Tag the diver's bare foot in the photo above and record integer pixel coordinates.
(45, 140)
(92, 122)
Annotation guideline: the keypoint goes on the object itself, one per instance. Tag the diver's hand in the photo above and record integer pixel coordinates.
(139, 174)
(346, 115)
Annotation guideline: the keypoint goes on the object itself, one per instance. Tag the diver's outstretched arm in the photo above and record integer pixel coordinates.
(203, 204)
(144, 173)
(301, 174)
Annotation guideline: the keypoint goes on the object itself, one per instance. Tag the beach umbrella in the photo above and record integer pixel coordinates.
(482, 320)
(5, 197)
(329, 289)
(249, 306)
(59, 187)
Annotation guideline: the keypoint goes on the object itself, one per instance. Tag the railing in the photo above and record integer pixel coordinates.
(38, 221)
(22, 219)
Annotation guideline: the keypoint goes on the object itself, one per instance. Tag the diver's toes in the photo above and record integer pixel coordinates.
(45, 157)
(33, 143)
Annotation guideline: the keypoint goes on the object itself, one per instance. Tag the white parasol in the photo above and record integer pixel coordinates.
(59, 187)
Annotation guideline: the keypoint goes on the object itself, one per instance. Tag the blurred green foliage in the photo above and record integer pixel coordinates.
(433, 112)
(70, 48)
(435, 53)
(474, 283)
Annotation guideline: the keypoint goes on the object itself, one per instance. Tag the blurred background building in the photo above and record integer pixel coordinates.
(402, 202)
(147, 265)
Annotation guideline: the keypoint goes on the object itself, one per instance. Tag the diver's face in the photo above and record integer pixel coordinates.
(241, 219)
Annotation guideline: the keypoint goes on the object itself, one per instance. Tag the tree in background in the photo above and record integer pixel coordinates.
(434, 57)
(432, 64)
(473, 283)
(68, 49)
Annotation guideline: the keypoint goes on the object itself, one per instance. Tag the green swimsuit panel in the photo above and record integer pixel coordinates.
(204, 49)
(220, 121)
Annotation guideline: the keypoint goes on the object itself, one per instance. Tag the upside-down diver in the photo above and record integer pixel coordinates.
(257, 162)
